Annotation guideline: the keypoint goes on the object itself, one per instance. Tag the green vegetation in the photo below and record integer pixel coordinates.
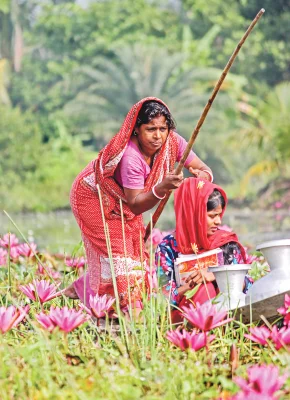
(133, 361)
(70, 72)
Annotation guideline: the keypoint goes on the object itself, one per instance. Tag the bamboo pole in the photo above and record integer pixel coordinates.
(201, 120)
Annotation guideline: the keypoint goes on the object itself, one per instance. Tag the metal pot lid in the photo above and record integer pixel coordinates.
(273, 243)
(232, 267)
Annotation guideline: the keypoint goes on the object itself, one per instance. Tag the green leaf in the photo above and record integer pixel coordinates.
(77, 248)
(192, 292)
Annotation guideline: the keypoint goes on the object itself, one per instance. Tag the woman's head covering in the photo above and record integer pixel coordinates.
(190, 205)
(110, 156)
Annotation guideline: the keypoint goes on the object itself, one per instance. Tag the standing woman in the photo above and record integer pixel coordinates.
(137, 167)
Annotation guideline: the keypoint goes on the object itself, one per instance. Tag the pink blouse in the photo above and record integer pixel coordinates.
(132, 170)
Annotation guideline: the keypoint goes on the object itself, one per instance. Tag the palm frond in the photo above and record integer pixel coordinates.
(260, 169)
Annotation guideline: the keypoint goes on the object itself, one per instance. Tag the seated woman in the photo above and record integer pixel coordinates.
(199, 207)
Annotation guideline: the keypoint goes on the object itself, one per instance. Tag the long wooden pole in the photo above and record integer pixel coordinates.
(201, 120)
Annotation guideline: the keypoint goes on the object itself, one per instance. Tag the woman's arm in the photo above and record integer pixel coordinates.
(193, 163)
(139, 201)
(198, 169)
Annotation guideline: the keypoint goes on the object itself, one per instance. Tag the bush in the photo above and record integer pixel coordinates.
(36, 176)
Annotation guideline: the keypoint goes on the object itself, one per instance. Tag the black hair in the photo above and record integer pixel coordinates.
(152, 109)
(214, 200)
(229, 250)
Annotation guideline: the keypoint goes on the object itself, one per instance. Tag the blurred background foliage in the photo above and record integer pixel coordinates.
(70, 71)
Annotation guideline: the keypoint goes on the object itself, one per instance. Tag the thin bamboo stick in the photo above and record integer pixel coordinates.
(201, 120)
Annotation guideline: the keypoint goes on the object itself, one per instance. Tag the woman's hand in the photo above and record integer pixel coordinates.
(198, 173)
(170, 182)
(198, 169)
(199, 276)
(194, 279)
(140, 201)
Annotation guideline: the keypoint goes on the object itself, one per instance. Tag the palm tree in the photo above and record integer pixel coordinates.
(268, 129)
(107, 91)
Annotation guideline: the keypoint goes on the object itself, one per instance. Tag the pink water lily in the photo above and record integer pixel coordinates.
(76, 262)
(11, 316)
(280, 337)
(206, 316)
(45, 321)
(100, 305)
(278, 204)
(14, 255)
(285, 310)
(249, 258)
(9, 239)
(151, 278)
(262, 383)
(13, 249)
(26, 250)
(45, 291)
(3, 257)
(64, 318)
(48, 272)
(189, 340)
(157, 235)
(259, 334)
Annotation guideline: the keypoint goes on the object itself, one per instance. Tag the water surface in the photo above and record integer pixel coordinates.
(58, 231)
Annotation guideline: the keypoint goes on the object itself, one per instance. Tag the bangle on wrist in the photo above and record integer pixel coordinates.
(209, 174)
(156, 195)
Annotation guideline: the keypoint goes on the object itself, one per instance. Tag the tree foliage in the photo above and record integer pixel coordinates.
(268, 128)
(36, 175)
(266, 54)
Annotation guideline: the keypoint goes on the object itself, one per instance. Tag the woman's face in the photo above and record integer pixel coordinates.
(151, 136)
(213, 220)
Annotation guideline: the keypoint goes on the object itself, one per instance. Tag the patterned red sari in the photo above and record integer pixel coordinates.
(128, 256)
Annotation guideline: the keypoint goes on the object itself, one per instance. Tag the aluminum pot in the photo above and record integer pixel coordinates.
(274, 283)
(277, 254)
(230, 280)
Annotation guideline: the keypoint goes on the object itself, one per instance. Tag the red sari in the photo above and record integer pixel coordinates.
(190, 205)
(129, 261)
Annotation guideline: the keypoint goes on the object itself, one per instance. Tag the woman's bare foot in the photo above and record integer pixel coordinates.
(70, 292)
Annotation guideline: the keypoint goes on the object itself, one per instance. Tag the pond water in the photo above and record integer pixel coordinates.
(58, 231)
